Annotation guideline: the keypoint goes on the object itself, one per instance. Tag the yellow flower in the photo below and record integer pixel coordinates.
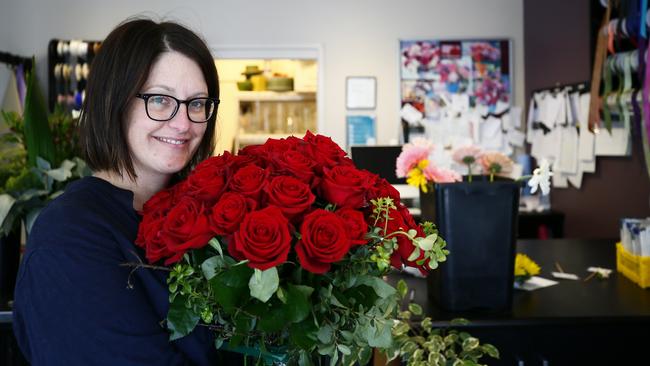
(416, 178)
(524, 266)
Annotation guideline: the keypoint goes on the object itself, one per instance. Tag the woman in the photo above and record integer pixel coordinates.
(149, 116)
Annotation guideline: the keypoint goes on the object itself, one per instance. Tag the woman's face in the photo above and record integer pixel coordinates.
(164, 148)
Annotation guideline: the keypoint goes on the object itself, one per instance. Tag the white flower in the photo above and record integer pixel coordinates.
(541, 178)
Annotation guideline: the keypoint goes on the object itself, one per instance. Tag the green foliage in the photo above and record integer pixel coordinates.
(38, 158)
(420, 343)
(342, 314)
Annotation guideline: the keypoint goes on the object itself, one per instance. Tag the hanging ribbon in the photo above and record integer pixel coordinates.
(599, 59)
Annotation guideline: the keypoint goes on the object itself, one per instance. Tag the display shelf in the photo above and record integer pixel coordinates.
(271, 96)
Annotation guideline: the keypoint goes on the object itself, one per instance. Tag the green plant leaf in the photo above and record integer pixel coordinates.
(263, 284)
(402, 288)
(63, 172)
(213, 265)
(303, 334)
(382, 289)
(180, 320)
(416, 309)
(237, 275)
(214, 242)
(325, 334)
(38, 136)
(490, 350)
(379, 336)
(344, 349)
(297, 307)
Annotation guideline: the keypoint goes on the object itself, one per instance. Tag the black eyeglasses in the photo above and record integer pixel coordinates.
(161, 107)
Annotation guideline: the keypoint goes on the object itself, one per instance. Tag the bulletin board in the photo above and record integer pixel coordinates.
(433, 72)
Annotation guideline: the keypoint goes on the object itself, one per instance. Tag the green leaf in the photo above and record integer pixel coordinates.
(263, 284)
(227, 296)
(273, 320)
(415, 309)
(490, 350)
(281, 294)
(382, 289)
(237, 275)
(459, 321)
(214, 242)
(470, 344)
(180, 320)
(297, 307)
(325, 334)
(63, 172)
(379, 336)
(415, 254)
(218, 343)
(402, 288)
(344, 349)
(38, 136)
(303, 334)
(215, 264)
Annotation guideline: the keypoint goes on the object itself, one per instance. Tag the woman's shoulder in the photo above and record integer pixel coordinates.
(89, 209)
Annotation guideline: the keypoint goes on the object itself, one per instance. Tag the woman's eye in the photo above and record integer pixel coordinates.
(159, 100)
(197, 104)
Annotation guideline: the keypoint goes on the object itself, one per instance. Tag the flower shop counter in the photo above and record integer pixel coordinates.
(604, 321)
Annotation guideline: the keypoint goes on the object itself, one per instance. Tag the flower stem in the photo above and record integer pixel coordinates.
(469, 172)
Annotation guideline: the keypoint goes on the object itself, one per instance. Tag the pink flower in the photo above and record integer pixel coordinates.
(467, 155)
(496, 163)
(441, 175)
(411, 155)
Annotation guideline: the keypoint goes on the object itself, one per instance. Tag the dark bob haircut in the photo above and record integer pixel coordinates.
(118, 72)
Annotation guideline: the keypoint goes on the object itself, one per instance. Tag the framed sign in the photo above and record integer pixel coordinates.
(463, 73)
(360, 92)
(361, 130)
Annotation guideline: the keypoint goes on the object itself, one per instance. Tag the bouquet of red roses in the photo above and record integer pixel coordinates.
(282, 248)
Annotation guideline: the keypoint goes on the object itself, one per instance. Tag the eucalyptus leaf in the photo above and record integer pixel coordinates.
(325, 334)
(214, 242)
(215, 264)
(263, 284)
(382, 289)
(298, 306)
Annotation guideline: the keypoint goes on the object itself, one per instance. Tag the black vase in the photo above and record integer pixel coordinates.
(9, 260)
(479, 221)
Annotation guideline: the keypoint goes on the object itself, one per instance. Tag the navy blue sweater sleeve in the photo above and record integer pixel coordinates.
(72, 304)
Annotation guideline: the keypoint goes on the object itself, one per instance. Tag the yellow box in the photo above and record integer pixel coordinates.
(634, 267)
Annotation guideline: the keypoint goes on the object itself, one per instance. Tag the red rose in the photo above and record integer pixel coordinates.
(290, 195)
(186, 227)
(325, 240)
(249, 181)
(229, 212)
(160, 202)
(381, 188)
(356, 224)
(325, 151)
(263, 238)
(345, 186)
(208, 180)
(295, 163)
(150, 238)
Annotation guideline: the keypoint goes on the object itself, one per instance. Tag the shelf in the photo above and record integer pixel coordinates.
(271, 96)
(255, 139)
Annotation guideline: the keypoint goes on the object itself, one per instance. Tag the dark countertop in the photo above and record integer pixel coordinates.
(613, 300)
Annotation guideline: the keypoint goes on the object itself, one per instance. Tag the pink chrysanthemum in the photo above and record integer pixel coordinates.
(441, 175)
(411, 155)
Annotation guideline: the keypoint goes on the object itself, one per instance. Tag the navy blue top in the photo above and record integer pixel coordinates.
(72, 305)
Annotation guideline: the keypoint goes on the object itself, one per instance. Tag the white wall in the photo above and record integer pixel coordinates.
(358, 37)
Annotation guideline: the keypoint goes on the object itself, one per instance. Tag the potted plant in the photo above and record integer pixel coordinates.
(39, 157)
(478, 218)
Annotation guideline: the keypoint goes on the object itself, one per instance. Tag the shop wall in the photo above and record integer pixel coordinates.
(358, 37)
(562, 53)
